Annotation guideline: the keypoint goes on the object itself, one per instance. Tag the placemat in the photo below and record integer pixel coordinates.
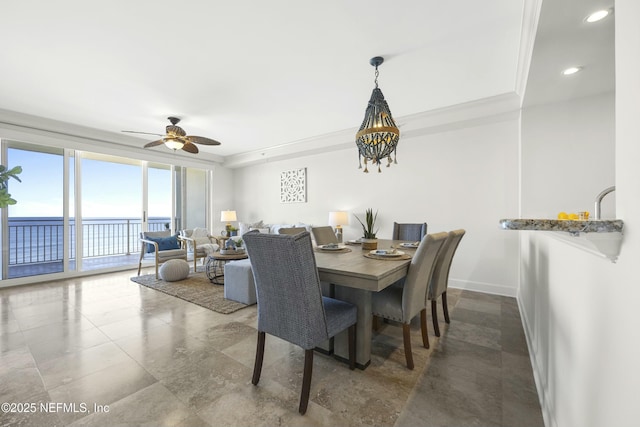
(339, 251)
(387, 258)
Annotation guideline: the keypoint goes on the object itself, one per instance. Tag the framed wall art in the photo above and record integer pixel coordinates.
(293, 186)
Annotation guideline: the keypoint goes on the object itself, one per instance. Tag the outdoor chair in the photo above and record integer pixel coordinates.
(409, 232)
(440, 278)
(160, 246)
(403, 303)
(200, 243)
(290, 304)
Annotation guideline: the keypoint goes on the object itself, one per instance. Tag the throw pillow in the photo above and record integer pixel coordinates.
(164, 243)
(275, 228)
(201, 241)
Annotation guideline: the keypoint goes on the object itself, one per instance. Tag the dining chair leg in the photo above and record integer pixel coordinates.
(352, 346)
(434, 316)
(306, 381)
(445, 307)
(423, 328)
(257, 367)
(406, 337)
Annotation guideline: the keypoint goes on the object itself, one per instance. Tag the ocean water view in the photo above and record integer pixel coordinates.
(34, 240)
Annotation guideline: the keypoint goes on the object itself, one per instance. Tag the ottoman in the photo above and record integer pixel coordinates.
(174, 270)
(238, 282)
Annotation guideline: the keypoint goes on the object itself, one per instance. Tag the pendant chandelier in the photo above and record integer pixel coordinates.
(378, 135)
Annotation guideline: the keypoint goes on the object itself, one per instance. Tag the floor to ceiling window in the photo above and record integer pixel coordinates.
(159, 196)
(85, 211)
(33, 229)
(111, 208)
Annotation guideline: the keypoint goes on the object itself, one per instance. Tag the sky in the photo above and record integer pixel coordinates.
(108, 189)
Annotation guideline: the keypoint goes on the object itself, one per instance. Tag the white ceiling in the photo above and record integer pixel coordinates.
(253, 74)
(565, 39)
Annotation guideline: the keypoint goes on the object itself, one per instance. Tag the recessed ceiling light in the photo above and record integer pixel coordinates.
(571, 70)
(597, 16)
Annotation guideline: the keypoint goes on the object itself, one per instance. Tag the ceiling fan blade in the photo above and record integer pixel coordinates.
(154, 143)
(190, 148)
(143, 133)
(202, 140)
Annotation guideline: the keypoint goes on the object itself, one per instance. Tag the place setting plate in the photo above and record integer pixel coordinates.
(387, 254)
(409, 245)
(332, 248)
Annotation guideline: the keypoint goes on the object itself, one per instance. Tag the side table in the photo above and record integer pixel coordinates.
(215, 265)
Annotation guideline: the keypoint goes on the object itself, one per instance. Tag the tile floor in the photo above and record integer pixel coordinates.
(103, 350)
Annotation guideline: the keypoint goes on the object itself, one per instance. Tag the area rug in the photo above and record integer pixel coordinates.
(196, 288)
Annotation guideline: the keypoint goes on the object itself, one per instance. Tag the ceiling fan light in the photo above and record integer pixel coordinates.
(174, 144)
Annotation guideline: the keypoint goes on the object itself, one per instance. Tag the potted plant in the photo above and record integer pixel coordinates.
(5, 174)
(369, 240)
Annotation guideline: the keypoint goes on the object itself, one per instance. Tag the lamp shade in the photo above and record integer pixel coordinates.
(338, 218)
(227, 216)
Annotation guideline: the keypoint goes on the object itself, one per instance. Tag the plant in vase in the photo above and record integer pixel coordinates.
(5, 174)
(369, 240)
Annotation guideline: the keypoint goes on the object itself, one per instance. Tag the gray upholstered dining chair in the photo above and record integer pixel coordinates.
(409, 232)
(324, 235)
(440, 278)
(403, 303)
(290, 304)
(291, 230)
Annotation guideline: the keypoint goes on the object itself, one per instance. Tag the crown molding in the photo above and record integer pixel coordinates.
(530, 18)
(486, 110)
(39, 130)
(24, 127)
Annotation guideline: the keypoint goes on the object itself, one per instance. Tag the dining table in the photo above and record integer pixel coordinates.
(355, 278)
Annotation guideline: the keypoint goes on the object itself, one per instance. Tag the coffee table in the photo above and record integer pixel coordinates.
(215, 265)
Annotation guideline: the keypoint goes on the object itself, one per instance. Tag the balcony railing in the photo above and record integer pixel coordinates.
(40, 240)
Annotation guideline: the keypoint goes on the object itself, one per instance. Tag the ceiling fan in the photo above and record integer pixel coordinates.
(176, 138)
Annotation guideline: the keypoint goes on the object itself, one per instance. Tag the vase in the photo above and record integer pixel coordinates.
(369, 244)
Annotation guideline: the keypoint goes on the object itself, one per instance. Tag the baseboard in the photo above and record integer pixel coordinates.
(487, 288)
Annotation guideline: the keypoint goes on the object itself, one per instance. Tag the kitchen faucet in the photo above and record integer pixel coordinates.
(599, 198)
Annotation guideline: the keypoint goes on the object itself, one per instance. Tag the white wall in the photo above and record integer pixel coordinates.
(580, 311)
(461, 178)
(568, 157)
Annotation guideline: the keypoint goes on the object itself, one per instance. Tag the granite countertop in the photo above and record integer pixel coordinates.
(568, 225)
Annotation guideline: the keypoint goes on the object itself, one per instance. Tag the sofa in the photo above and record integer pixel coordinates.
(244, 227)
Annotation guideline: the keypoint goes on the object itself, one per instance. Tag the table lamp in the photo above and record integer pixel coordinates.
(337, 219)
(228, 216)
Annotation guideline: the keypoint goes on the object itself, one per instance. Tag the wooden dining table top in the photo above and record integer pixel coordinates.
(354, 270)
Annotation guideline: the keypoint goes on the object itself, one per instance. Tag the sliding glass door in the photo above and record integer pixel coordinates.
(81, 211)
(111, 208)
(33, 229)
(159, 209)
